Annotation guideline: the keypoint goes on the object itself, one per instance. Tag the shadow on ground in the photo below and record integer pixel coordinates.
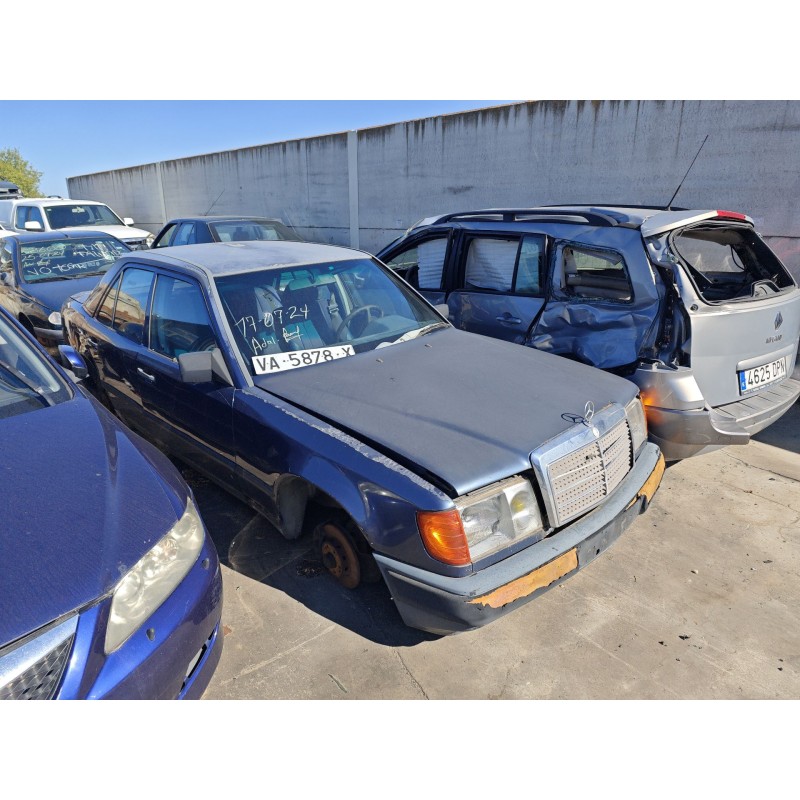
(785, 433)
(248, 544)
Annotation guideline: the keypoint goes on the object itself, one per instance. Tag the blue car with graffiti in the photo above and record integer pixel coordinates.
(40, 271)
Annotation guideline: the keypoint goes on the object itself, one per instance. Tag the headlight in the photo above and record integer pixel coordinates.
(55, 319)
(637, 424)
(501, 514)
(154, 577)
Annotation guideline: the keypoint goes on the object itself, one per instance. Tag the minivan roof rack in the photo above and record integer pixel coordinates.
(652, 206)
(513, 215)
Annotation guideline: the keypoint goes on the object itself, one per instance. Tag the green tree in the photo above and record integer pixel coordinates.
(14, 168)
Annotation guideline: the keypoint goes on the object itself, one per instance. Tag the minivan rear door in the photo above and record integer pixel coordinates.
(743, 305)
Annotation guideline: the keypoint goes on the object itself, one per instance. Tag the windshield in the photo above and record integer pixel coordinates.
(68, 258)
(79, 215)
(729, 263)
(27, 382)
(251, 230)
(284, 318)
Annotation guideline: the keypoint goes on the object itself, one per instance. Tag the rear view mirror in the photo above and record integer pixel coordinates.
(204, 367)
(127, 220)
(73, 361)
(33, 225)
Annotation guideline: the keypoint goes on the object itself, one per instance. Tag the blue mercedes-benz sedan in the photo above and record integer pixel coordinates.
(109, 585)
(315, 384)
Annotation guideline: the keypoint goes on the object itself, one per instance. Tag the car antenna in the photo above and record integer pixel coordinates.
(672, 199)
(214, 203)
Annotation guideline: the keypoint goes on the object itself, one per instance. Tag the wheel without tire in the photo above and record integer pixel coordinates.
(339, 555)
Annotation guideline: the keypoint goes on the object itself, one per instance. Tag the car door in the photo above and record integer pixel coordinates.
(423, 262)
(595, 312)
(113, 338)
(499, 284)
(193, 421)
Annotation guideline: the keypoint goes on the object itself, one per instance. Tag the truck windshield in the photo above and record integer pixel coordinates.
(79, 215)
(729, 263)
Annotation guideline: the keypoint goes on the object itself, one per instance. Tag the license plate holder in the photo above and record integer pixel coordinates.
(750, 380)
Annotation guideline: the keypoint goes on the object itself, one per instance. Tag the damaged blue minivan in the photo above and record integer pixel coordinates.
(691, 305)
(469, 474)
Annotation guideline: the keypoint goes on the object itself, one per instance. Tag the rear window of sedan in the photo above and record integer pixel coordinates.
(71, 258)
(251, 230)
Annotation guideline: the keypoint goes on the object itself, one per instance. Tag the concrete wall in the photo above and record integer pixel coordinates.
(378, 181)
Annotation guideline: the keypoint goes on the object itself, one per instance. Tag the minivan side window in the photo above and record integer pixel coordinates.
(131, 308)
(506, 265)
(595, 274)
(422, 265)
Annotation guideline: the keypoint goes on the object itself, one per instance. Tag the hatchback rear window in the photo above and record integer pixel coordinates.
(729, 263)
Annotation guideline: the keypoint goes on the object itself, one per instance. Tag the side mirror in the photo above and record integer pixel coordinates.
(72, 360)
(127, 220)
(33, 225)
(204, 367)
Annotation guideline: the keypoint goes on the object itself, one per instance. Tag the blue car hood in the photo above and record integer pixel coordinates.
(81, 502)
(53, 294)
(464, 408)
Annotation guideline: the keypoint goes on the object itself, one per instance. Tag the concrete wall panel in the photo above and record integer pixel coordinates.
(516, 155)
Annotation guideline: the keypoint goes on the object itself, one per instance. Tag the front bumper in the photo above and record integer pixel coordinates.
(443, 604)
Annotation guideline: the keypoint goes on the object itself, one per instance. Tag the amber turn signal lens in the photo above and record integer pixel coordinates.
(443, 536)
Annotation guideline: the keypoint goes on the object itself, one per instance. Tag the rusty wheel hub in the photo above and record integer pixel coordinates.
(339, 556)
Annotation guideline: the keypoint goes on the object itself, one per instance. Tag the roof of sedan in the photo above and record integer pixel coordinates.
(224, 218)
(222, 258)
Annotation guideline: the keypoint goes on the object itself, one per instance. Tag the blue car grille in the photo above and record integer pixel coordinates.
(33, 669)
(40, 681)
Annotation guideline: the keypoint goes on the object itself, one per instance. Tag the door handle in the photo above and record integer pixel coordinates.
(146, 375)
(507, 319)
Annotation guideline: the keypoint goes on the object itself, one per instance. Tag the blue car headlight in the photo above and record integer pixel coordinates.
(154, 577)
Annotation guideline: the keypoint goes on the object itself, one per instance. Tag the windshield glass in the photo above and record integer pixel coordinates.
(69, 258)
(80, 215)
(250, 230)
(284, 318)
(27, 382)
(729, 263)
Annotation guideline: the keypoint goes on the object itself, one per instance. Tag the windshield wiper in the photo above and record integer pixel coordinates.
(420, 332)
(27, 383)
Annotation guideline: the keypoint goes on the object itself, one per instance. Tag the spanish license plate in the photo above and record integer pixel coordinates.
(264, 365)
(755, 378)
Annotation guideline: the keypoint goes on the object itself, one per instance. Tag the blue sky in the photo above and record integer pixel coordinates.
(63, 138)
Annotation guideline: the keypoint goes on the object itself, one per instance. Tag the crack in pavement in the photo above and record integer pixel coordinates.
(411, 675)
(273, 659)
(762, 469)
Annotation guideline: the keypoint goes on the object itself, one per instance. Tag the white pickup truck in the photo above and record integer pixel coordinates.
(49, 214)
